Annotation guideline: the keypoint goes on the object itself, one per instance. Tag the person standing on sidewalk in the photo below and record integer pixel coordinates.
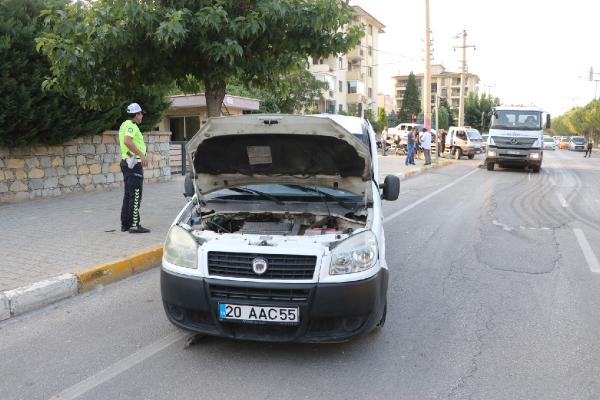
(133, 159)
(384, 139)
(588, 151)
(426, 143)
(410, 148)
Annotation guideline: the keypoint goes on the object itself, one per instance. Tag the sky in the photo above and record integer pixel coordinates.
(530, 52)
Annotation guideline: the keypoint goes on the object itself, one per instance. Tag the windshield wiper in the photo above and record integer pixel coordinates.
(324, 194)
(258, 193)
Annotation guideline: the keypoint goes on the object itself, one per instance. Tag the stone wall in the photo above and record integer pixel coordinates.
(85, 164)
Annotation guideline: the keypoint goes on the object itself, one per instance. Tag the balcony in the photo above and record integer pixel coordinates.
(356, 54)
(355, 74)
(321, 68)
(354, 98)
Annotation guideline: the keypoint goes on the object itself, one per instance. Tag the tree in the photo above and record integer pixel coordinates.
(29, 115)
(475, 106)
(392, 119)
(444, 104)
(411, 104)
(101, 49)
(377, 127)
(382, 117)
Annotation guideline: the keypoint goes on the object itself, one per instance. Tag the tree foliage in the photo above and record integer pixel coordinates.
(29, 115)
(411, 104)
(580, 121)
(475, 106)
(377, 126)
(101, 49)
(382, 117)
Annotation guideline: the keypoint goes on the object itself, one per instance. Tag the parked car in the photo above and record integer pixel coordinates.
(577, 143)
(549, 143)
(282, 238)
(564, 143)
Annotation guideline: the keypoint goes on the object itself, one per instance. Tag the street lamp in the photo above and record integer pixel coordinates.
(591, 78)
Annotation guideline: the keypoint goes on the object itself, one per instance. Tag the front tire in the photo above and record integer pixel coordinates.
(381, 322)
(471, 156)
(536, 168)
(490, 166)
(457, 153)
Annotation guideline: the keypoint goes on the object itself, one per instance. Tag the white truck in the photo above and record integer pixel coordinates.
(516, 137)
(463, 141)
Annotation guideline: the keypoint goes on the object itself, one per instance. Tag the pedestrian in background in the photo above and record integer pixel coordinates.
(418, 148)
(133, 159)
(410, 149)
(588, 151)
(384, 139)
(442, 142)
(426, 144)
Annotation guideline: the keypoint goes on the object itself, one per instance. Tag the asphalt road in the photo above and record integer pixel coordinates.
(494, 294)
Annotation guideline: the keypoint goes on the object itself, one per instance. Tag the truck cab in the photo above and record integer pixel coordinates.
(463, 141)
(516, 137)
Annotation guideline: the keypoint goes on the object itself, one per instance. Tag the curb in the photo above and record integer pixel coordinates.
(423, 168)
(40, 294)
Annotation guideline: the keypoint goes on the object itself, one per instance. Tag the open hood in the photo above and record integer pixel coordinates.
(286, 149)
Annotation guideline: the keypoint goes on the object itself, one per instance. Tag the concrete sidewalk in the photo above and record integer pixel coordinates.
(42, 239)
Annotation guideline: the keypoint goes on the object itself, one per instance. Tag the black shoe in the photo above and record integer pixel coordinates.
(139, 229)
(124, 228)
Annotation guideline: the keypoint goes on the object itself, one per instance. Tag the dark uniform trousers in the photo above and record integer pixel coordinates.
(132, 198)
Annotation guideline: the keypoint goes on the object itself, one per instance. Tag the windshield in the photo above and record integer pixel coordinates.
(517, 120)
(548, 139)
(578, 140)
(474, 135)
(283, 193)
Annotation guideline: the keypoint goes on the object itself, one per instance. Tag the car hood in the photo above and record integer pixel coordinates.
(286, 149)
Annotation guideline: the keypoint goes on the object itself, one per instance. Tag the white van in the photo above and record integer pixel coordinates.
(282, 239)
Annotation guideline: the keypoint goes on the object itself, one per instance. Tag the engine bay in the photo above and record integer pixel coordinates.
(267, 223)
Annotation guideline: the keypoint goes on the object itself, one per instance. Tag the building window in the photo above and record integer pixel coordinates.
(341, 61)
(444, 92)
(315, 61)
(356, 87)
(370, 50)
(349, 66)
(370, 92)
(370, 71)
(340, 86)
(370, 29)
(341, 108)
(183, 128)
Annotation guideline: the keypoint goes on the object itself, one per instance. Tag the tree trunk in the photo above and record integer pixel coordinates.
(215, 93)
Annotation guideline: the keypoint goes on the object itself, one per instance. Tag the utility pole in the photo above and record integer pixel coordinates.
(427, 75)
(592, 73)
(461, 106)
(488, 88)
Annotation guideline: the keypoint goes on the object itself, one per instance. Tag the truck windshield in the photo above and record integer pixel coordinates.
(517, 120)
(474, 135)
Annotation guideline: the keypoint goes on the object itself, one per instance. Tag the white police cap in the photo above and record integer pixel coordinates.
(134, 108)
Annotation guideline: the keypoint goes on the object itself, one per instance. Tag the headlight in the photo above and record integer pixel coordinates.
(181, 248)
(535, 156)
(491, 153)
(355, 254)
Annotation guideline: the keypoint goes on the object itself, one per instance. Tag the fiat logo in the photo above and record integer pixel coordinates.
(259, 266)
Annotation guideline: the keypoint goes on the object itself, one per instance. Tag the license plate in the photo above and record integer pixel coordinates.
(513, 152)
(239, 312)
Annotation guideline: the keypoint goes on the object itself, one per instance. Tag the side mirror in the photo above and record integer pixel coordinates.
(548, 121)
(391, 188)
(189, 188)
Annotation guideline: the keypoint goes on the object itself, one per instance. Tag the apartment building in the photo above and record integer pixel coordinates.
(352, 77)
(443, 83)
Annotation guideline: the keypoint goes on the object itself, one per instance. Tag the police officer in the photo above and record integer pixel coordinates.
(133, 159)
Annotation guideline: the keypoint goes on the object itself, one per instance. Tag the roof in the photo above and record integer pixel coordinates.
(199, 100)
(523, 108)
(377, 23)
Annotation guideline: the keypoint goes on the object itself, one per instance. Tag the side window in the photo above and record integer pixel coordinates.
(461, 135)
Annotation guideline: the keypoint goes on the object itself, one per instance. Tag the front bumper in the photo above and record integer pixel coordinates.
(328, 312)
(516, 157)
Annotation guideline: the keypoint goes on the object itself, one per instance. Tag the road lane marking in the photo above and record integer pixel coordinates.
(429, 196)
(563, 201)
(119, 367)
(588, 253)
